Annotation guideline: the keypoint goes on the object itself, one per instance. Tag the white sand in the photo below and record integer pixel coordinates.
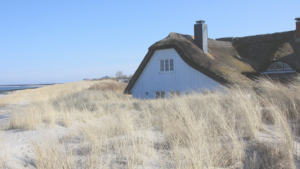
(4, 95)
(17, 145)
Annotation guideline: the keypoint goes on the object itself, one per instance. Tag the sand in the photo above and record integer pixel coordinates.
(16, 146)
(4, 95)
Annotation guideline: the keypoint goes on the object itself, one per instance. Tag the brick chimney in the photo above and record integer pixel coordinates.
(200, 33)
(297, 27)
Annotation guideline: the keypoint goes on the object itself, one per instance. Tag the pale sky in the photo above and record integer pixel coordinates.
(59, 41)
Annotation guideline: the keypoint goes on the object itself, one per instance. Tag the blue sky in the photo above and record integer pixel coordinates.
(58, 41)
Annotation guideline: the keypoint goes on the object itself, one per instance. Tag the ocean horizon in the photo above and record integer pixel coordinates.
(12, 88)
(4, 89)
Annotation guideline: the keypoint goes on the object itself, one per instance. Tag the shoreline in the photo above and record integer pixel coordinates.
(23, 85)
(11, 91)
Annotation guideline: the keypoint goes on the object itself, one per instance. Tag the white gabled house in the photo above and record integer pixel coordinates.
(180, 63)
(166, 75)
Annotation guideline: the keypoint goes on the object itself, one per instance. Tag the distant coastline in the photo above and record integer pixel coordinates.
(8, 89)
(11, 85)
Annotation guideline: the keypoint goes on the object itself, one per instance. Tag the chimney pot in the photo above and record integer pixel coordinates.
(201, 21)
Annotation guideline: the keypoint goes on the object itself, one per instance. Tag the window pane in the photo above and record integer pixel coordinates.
(171, 65)
(272, 67)
(287, 67)
(161, 65)
(166, 65)
(157, 95)
(279, 66)
(172, 94)
(162, 94)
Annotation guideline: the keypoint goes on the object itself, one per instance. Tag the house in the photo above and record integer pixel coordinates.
(124, 80)
(180, 63)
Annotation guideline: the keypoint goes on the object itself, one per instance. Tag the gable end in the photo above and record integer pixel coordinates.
(192, 64)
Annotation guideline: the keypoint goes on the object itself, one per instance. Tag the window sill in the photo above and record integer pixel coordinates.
(166, 72)
(279, 71)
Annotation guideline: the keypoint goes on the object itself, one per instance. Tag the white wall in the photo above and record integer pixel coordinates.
(184, 78)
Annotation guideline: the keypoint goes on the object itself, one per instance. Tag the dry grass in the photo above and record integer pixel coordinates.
(215, 130)
(109, 85)
(50, 154)
(266, 155)
(1, 161)
(45, 93)
(2, 151)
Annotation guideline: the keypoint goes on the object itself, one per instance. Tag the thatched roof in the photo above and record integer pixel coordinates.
(221, 64)
(228, 58)
(260, 50)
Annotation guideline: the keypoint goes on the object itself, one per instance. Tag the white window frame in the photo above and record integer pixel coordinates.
(283, 70)
(168, 65)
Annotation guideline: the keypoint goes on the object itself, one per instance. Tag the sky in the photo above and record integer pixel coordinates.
(60, 41)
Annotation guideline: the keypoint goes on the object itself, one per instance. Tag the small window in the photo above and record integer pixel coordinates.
(166, 65)
(279, 66)
(174, 93)
(160, 95)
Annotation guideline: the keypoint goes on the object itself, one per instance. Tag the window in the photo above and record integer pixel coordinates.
(174, 93)
(166, 65)
(277, 66)
(160, 95)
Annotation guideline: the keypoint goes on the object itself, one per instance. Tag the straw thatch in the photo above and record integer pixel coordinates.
(229, 59)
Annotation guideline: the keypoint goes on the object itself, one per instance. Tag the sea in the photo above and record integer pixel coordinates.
(10, 88)
(18, 87)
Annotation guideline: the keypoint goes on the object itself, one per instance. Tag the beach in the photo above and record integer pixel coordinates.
(7, 94)
(91, 124)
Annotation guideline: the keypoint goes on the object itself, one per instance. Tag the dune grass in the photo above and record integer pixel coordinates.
(211, 130)
(45, 93)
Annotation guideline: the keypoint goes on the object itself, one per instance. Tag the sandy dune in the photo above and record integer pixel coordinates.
(18, 145)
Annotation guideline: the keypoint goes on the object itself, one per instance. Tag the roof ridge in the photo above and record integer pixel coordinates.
(259, 38)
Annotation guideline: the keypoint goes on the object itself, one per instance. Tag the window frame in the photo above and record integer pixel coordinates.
(165, 65)
(283, 69)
